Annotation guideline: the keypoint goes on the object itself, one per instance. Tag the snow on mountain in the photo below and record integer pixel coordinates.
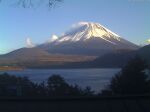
(87, 38)
(87, 30)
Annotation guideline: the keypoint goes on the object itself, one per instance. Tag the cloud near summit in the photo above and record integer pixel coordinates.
(29, 43)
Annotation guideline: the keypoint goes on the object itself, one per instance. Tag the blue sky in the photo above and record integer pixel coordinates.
(128, 18)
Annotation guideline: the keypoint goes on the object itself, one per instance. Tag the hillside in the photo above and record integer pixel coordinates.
(35, 57)
(144, 52)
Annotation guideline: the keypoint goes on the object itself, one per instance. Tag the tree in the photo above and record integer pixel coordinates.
(16, 86)
(57, 85)
(32, 3)
(131, 80)
(88, 91)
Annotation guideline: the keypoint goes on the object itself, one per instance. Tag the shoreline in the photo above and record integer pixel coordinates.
(10, 68)
(46, 68)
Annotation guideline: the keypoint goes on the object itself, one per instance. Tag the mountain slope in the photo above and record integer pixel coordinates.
(119, 59)
(88, 39)
(144, 52)
(26, 53)
(114, 59)
(35, 57)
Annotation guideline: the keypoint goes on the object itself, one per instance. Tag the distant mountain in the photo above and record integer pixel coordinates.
(121, 58)
(144, 52)
(87, 38)
(37, 58)
(114, 59)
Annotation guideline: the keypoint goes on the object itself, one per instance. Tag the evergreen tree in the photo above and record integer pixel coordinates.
(131, 80)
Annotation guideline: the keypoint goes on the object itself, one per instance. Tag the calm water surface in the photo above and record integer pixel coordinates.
(97, 79)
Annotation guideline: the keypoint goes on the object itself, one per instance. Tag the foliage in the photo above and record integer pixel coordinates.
(131, 80)
(9, 84)
(55, 86)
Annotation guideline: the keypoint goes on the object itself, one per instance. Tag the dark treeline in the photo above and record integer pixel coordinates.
(55, 86)
(131, 80)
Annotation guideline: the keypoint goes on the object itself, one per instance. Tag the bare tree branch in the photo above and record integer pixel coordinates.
(32, 3)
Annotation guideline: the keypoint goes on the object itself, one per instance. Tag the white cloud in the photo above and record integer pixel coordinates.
(53, 38)
(29, 43)
(79, 24)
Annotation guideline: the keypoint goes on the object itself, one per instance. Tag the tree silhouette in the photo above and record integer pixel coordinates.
(57, 85)
(131, 80)
(15, 86)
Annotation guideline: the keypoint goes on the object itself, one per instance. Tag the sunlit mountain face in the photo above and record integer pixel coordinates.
(87, 38)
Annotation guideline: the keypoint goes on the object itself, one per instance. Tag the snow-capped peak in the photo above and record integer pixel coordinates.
(87, 38)
(87, 30)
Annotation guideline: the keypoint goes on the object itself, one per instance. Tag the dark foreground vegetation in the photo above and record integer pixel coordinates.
(131, 80)
(55, 86)
(129, 91)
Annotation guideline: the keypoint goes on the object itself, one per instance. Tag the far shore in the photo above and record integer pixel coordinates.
(9, 68)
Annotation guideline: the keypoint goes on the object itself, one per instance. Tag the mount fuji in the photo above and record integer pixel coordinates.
(87, 38)
(87, 44)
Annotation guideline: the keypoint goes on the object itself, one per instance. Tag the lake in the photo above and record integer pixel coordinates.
(97, 79)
